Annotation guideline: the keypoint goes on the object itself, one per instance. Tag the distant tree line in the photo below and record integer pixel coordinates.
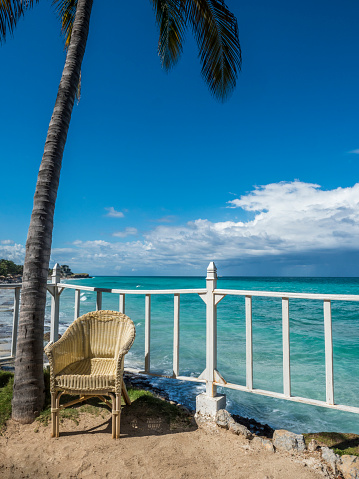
(8, 267)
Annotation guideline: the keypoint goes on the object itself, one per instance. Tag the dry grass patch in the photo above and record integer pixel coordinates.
(341, 443)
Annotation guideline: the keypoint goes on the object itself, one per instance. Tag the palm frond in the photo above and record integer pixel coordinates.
(171, 18)
(216, 31)
(10, 12)
(66, 10)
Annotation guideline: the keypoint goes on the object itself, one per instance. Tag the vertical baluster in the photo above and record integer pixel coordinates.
(55, 305)
(77, 304)
(99, 301)
(328, 338)
(122, 303)
(249, 343)
(147, 331)
(15, 321)
(286, 347)
(176, 335)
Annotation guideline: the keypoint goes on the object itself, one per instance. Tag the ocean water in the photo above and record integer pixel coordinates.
(306, 343)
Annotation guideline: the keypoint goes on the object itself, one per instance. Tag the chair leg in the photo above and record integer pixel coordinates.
(55, 411)
(125, 395)
(58, 414)
(113, 399)
(118, 415)
(53, 414)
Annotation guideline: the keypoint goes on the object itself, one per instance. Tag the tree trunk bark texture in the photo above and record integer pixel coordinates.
(28, 398)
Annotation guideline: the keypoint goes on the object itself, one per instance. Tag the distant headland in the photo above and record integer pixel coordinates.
(65, 272)
(12, 273)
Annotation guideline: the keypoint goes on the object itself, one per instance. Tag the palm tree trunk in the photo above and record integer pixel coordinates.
(28, 398)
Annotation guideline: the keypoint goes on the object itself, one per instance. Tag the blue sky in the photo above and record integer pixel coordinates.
(160, 178)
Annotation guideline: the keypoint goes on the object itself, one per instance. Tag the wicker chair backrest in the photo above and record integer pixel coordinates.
(101, 334)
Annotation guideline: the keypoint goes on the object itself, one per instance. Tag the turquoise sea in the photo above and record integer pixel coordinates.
(306, 342)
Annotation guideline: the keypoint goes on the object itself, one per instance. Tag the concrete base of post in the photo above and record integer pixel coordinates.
(209, 406)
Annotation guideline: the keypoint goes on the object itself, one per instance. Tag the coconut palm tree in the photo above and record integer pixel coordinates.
(215, 30)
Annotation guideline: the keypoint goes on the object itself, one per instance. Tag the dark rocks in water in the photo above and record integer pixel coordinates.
(79, 276)
(11, 278)
(254, 426)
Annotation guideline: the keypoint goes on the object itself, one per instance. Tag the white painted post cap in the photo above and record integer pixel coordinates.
(211, 271)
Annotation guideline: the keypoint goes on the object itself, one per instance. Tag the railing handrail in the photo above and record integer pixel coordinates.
(10, 285)
(281, 294)
(130, 291)
(218, 291)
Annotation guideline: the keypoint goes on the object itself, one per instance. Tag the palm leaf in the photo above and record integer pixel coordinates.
(66, 10)
(216, 31)
(10, 12)
(171, 18)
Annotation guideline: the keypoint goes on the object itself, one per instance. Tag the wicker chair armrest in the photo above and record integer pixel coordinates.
(125, 347)
(64, 352)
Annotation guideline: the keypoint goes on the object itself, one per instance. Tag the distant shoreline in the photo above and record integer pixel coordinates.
(18, 278)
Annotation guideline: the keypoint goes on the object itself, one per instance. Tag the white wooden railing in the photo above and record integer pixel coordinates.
(211, 296)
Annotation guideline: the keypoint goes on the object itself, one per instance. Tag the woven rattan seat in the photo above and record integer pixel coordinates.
(88, 361)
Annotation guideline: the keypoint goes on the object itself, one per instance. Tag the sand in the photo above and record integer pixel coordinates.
(148, 448)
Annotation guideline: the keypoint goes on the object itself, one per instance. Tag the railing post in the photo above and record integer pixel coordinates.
(176, 316)
(122, 303)
(209, 403)
(55, 305)
(147, 332)
(286, 347)
(77, 303)
(249, 343)
(15, 321)
(98, 300)
(211, 330)
(328, 337)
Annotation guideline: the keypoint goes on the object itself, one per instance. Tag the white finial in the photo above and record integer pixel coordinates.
(211, 271)
(56, 272)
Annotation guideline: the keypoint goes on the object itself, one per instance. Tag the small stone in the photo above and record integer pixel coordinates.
(288, 441)
(331, 458)
(349, 466)
(313, 446)
(268, 445)
(239, 429)
(223, 418)
(261, 442)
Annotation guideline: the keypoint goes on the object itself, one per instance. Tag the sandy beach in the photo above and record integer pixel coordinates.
(148, 448)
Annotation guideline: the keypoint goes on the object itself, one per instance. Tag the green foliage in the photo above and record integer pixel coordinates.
(9, 267)
(6, 385)
(341, 443)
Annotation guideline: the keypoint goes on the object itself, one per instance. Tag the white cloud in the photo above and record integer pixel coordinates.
(355, 152)
(129, 231)
(299, 216)
(12, 251)
(287, 219)
(112, 213)
(7, 241)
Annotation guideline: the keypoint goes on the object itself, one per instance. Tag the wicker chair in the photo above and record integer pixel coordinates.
(88, 361)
